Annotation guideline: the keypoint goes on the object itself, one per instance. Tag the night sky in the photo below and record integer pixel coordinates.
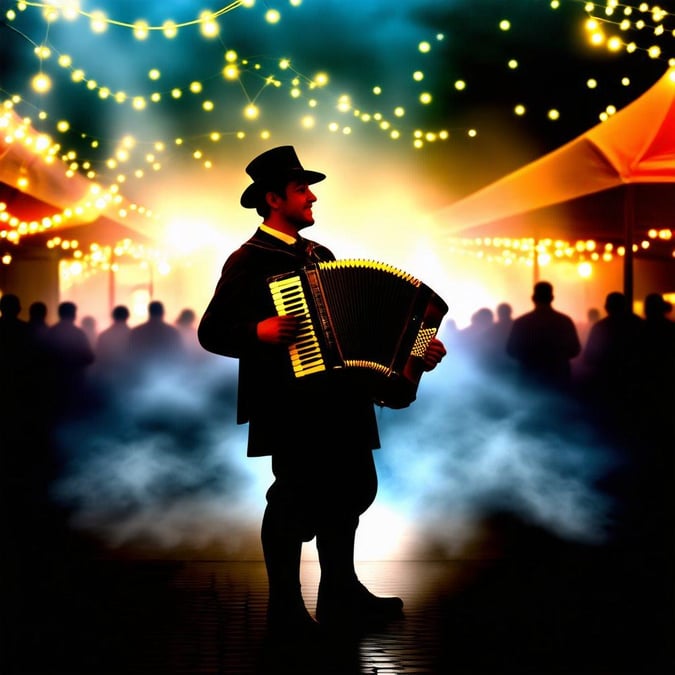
(359, 47)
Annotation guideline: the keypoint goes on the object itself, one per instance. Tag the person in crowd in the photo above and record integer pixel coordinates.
(38, 331)
(612, 351)
(156, 342)
(593, 315)
(14, 349)
(90, 326)
(544, 341)
(112, 345)
(655, 456)
(320, 430)
(37, 320)
(187, 327)
(474, 340)
(70, 356)
(497, 359)
(658, 353)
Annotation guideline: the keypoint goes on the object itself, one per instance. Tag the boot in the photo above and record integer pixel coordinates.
(287, 616)
(342, 599)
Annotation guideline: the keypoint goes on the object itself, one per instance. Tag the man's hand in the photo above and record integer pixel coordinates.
(435, 352)
(278, 330)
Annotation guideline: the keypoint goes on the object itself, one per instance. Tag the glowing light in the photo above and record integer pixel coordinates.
(321, 79)
(209, 26)
(272, 16)
(99, 22)
(141, 30)
(614, 44)
(231, 72)
(41, 83)
(251, 111)
(585, 270)
(344, 103)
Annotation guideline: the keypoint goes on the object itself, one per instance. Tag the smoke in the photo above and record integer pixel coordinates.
(159, 464)
(476, 443)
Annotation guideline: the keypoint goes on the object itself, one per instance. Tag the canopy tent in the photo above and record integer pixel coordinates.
(40, 200)
(34, 185)
(611, 182)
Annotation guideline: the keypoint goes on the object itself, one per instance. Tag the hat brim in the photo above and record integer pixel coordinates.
(252, 195)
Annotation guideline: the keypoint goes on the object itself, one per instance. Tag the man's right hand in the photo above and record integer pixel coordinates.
(278, 330)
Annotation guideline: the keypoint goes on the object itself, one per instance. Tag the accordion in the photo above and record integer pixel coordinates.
(361, 314)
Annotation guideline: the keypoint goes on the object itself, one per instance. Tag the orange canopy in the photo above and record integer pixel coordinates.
(579, 190)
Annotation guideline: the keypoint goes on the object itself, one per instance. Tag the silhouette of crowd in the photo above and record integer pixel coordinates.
(615, 372)
(618, 368)
(55, 373)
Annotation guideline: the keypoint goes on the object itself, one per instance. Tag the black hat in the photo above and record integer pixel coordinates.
(270, 168)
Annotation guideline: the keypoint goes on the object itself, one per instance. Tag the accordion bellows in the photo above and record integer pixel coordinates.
(361, 314)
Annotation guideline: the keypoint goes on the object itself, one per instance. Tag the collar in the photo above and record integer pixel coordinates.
(279, 235)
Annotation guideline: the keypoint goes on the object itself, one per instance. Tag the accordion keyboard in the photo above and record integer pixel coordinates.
(305, 352)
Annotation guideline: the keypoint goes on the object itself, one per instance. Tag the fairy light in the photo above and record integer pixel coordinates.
(615, 28)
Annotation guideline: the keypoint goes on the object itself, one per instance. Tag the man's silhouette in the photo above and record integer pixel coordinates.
(320, 430)
(544, 341)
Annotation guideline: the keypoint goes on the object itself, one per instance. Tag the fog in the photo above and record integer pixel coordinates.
(157, 465)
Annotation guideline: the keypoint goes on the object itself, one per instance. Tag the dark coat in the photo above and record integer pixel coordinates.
(337, 405)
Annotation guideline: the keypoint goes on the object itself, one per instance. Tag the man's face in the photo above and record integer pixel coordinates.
(297, 207)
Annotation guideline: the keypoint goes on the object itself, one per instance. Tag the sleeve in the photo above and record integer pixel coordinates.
(228, 326)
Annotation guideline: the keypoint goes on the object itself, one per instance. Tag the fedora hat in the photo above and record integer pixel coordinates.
(272, 167)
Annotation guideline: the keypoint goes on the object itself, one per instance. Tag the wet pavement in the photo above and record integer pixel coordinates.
(533, 604)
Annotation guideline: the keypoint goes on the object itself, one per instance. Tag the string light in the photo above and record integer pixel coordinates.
(582, 253)
(616, 27)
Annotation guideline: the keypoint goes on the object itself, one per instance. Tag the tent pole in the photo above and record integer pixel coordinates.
(629, 217)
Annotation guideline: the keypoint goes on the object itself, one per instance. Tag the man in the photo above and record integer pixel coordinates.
(544, 341)
(155, 342)
(320, 430)
(614, 346)
(112, 345)
(71, 356)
